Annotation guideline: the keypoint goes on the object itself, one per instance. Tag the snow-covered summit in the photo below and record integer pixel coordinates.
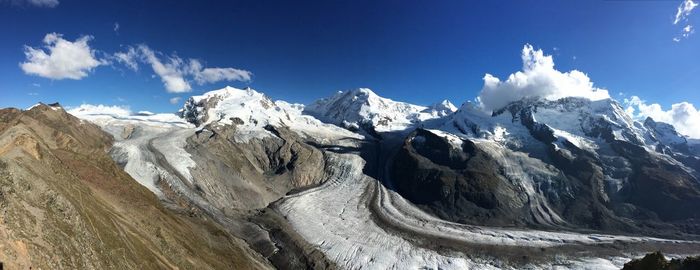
(442, 108)
(251, 111)
(580, 121)
(230, 105)
(532, 124)
(363, 109)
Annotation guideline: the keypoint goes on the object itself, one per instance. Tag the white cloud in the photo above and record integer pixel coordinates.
(62, 59)
(537, 79)
(687, 30)
(685, 33)
(33, 94)
(116, 27)
(174, 100)
(170, 72)
(36, 3)
(683, 116)
(684, 10)
(175, 72)
(128, 58)
(211, 75)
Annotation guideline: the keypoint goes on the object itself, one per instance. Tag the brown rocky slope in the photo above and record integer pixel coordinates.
(64, 204)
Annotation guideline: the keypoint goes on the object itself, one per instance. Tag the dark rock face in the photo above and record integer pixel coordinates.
(657, 261)
(456, 184)
(659, 185)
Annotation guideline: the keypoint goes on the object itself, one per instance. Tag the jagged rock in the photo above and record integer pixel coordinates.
(251, 174)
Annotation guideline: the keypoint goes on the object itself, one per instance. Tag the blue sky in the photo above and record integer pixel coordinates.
(414, 51)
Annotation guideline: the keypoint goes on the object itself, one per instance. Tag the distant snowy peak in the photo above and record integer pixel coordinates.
(251, 111)
(362, 109)
(666, 136)
(600, 118)
(227, 106)
(578, 121)
(442, 108)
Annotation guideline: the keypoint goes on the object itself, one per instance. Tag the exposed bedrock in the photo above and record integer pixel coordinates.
(469, 182)
(456, 184)
(233, 174)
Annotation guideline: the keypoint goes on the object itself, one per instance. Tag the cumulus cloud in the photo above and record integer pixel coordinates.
(175, 100)
(62, 59)
(538, 78)
(684, 10)
(683, 116)
(177, 73)
(170, 72)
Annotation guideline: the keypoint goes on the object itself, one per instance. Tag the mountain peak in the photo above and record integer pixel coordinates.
(664, 133)
(362, 109)
(442, 108)
(54, 106)
(362, 91)
(217, 104)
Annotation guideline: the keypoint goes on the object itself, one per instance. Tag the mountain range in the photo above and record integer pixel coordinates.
(351, 181)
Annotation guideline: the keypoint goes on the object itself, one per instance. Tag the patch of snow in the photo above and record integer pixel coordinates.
(33, 106)
(145, 113)
(454, 141)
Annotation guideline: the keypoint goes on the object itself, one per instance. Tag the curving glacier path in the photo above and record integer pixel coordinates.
(360, 224)
(354, 219)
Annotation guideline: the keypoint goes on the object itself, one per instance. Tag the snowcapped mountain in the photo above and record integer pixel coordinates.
(251, 111)
(362, 109)
(581, 122)
(556, 152)
(442, 108)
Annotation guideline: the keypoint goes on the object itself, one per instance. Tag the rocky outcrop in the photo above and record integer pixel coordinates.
(459, 184)
(239, 175)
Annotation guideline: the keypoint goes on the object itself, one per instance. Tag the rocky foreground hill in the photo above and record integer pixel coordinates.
(67, 205)
(237, 180)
